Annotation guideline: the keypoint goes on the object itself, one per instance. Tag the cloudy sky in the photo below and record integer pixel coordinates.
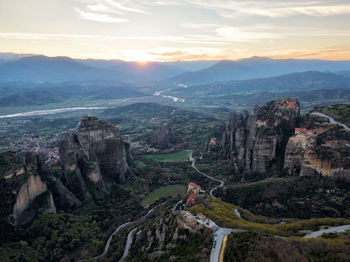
(168, 30)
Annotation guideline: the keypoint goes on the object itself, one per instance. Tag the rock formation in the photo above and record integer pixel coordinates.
(22, 189)
(318, 148)
(162, 138)
(256, 143)
(95, 153)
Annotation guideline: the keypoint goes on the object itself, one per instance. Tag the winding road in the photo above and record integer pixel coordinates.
(134, 223)
(219, 232)
(203, 174)
(128, 244)
(328, 230)
(331, 120)
(176, 205)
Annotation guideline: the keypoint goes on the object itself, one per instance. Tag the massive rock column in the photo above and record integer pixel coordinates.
(97, 152)
(256, 143)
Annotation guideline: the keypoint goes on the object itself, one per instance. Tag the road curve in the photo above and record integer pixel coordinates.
(331, 120)
(219, 232)
(176, 205)
(328, 230)
(203, 174)
(122, 227)
(128, 244)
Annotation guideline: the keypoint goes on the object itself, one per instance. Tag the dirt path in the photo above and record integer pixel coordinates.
(222, 250)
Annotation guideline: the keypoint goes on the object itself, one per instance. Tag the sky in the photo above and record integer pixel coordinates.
(173, 30)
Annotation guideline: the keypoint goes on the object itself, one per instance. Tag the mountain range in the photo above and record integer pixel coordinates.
(256, 67)
(39, 68)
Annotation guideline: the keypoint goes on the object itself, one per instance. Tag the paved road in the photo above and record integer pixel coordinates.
(176, 205)
(219, 232)
(237, 212)
(203, 174)
(122, 227)
(331, 119)
(219, 235)
(128, 244)
(328, 230)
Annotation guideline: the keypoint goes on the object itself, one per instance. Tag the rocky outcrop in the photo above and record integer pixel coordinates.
(320, 151)
(294, 155)
(162, 138)
(188, 221)
(32, 196)
(96, 152)
(235, 139)
(256, 143)
(23, 190)
(64, 198)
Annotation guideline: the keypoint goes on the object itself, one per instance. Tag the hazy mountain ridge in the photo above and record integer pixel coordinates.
(257, 67)
(304, 81)
(57, 69)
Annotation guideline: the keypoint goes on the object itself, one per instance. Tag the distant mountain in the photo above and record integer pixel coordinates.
(344, 73)
(135, 71)
(308, 99)
(256, 67)
(54, 69)
(35, 97)
(45, 94)
(295, 82)
(193, 66)
(3, 61)
(304, 81)
(13, 56)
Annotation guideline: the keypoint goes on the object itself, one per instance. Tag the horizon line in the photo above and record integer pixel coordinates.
(23, 55)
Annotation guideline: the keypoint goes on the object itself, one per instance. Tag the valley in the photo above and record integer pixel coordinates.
(124, 215)
(174, 131)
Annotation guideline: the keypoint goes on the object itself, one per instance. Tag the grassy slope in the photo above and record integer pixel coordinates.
(250, 246)
(340, 113)
(223, 214)
(163, 192)
(174, 157)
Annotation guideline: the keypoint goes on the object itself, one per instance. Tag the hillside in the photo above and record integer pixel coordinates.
(54, 69)
(340, 113)
(256, 67)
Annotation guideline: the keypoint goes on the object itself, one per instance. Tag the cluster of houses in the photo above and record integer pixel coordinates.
(304, 132)
(291, 105)
(192, 191)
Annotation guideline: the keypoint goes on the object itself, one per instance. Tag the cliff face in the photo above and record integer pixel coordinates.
(318, 148)
(96, 151)
(162, 138)
(256, 143)
(22, 190)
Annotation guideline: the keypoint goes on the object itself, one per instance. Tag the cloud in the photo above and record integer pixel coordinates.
(304, 53)
(123, 7)
(241, 35)
(192, 53)
(273, 9)
(103, 10)
(200, 26)
(99, 8)
(99, 17)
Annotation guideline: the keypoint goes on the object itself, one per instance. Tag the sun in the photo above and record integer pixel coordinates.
(142, 57)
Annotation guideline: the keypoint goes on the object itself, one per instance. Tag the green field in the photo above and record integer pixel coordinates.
(163, 192)
(173, 157)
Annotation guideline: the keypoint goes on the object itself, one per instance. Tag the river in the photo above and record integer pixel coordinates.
(175, 99)
(51, 111)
